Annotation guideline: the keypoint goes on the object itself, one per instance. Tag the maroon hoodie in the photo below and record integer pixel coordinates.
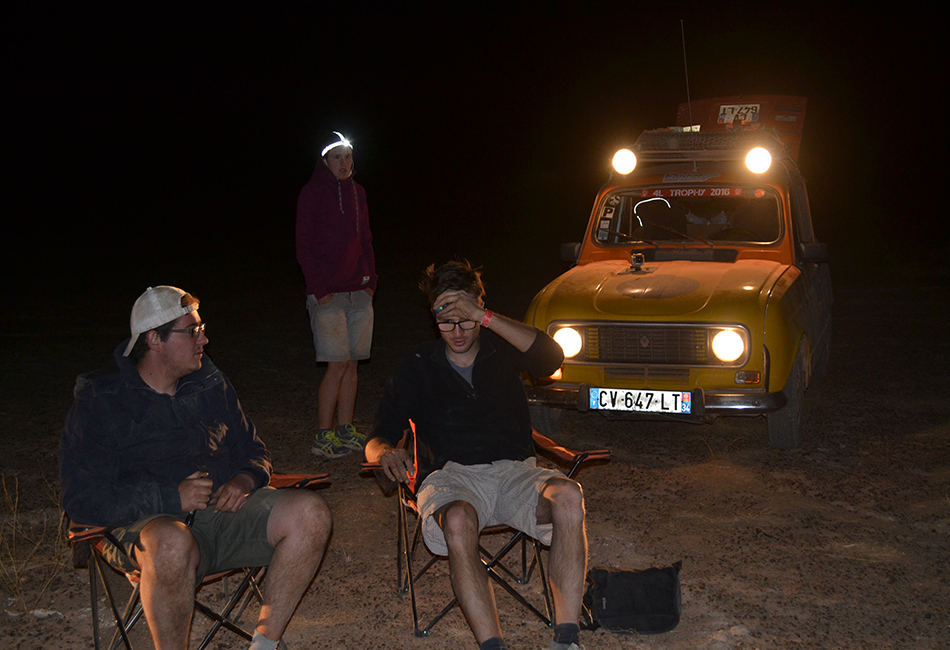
(334, 243)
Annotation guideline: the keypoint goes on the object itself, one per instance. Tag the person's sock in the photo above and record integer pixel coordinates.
(494, 643)
(261, 642)
(567, 633)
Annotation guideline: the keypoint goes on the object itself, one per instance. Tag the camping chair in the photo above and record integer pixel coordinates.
(408, 541)
(88, 545)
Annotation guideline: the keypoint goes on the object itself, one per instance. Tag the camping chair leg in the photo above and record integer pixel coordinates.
(543, 577)
(402, 551)
(222, 618)
(94, 600)
(495, 563)
(253, 590)
(521, 599)
(438, 617)
(409, 546)
(122, 623)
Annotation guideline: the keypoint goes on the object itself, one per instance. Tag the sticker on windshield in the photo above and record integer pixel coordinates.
(692, 191)
(689, 177)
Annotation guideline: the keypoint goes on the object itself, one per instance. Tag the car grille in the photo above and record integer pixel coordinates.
(632, 344)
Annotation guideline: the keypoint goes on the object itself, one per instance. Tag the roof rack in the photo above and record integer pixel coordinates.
(666, 145)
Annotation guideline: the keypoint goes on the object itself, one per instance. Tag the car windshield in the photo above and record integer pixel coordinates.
(665, 215)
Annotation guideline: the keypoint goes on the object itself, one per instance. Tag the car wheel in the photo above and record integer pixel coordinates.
(822, 364)
(785, 425)
(547, 420)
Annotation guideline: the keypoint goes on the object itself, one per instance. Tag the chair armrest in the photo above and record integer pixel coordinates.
(298, 480)
(571, 456)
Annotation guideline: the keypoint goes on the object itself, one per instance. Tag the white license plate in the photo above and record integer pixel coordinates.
(745, 112)
(645, 401)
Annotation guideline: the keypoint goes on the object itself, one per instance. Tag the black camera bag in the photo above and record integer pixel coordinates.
(623, 600)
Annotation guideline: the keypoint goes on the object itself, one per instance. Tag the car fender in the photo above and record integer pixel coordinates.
(785, 325)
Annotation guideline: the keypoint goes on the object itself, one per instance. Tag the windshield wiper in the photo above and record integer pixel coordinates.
(629, 239)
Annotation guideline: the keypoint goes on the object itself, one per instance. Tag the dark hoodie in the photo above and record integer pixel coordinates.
(125, 448)
(334, 242)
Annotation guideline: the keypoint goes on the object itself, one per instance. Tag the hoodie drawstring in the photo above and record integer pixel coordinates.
(356, 203)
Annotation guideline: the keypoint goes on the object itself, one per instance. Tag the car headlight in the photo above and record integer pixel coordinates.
(728, 346)
(758, 160)
(570, 341)
(625, 161)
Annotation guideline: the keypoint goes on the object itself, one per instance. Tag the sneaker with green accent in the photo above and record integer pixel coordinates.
(350, 437)
(326, 443)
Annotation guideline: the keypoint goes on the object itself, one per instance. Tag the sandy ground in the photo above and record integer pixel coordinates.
(841, 544)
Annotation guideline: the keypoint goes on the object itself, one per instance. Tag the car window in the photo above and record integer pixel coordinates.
(664, 215)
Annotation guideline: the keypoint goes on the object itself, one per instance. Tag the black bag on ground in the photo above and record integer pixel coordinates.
(622, 600)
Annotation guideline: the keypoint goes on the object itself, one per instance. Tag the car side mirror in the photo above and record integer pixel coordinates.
(814, 251)
(571, 251)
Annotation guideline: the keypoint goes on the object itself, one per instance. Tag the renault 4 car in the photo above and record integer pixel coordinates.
(699, 289)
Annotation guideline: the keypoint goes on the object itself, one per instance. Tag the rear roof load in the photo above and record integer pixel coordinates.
(783, 113)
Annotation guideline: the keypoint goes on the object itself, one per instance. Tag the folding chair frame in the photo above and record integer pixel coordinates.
(88, 544)
(407, 544)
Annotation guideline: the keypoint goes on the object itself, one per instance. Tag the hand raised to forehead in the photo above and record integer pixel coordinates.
(457, 305)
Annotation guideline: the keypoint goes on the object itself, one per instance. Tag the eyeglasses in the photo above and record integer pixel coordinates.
(449, 325)
(195, 330)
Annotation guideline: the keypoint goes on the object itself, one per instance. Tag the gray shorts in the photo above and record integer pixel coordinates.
(504, 492)
(226, 540)
(342, 328)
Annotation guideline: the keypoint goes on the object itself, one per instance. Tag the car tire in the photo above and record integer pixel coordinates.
(822, 363)
(786, 424)
(547, 420)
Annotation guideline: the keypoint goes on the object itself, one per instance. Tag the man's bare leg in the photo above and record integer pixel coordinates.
(168, 556)
(561, 502)
(337, 392)
(346, 400)
(459, 522)
(298, 529)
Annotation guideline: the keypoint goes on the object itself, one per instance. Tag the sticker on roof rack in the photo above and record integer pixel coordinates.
(744, 112)
(689, 177)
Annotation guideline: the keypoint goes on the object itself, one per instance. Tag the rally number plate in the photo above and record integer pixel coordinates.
(644, 401)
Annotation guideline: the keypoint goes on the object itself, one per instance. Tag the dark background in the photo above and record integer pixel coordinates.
(166, 143)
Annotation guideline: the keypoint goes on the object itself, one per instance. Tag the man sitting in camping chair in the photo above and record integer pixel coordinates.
(473, 444)
(157, 448)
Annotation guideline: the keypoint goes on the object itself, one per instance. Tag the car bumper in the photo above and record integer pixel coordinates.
(708, 403)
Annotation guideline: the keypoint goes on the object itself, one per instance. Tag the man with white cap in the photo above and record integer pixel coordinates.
(157, 448)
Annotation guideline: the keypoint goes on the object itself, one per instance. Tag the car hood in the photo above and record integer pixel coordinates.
(702, 290)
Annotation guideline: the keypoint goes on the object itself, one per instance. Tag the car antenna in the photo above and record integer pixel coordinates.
(689, 106)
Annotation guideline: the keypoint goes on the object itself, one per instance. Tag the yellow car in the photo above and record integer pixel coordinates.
(699, 289)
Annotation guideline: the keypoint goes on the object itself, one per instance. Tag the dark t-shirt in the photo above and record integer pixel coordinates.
(468, 424)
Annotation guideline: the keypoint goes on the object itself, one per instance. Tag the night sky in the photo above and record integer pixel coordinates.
(148, 136)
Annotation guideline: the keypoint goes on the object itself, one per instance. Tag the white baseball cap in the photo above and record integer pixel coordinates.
(157, 306)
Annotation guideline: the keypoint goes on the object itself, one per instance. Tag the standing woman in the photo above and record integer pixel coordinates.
(335, 252)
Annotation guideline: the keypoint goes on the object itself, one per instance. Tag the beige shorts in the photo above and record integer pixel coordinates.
(503, 492)
(343, 328)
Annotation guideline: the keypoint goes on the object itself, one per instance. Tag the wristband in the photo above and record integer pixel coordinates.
(486, 319)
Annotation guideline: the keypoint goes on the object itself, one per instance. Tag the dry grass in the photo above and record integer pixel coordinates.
(33, 546)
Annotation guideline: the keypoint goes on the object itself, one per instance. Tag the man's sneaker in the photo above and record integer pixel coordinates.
(350, 437)
(325, 443)
(566, 646)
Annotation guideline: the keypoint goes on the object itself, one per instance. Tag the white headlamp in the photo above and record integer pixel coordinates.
(342, 143)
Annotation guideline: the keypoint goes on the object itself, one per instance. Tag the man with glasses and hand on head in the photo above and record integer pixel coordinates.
(474, 452)
(157, 448)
